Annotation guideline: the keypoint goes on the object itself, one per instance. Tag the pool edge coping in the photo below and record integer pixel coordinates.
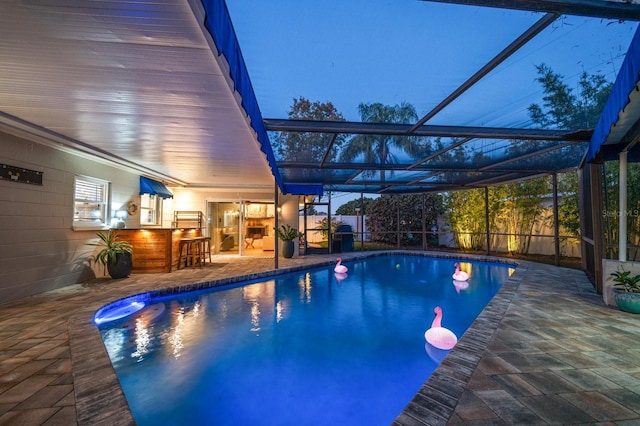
(101, 400)
(436, 400)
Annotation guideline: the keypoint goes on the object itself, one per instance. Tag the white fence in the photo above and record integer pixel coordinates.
(542, 243)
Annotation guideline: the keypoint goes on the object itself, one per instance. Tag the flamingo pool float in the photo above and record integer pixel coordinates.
(438, 336)
(460, 275)
(341, 276)
(460, 285)
(340, 268)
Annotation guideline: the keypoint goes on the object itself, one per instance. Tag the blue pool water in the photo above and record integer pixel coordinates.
(305, 348)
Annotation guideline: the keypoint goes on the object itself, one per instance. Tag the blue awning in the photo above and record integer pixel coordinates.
(153, 187)
(218, 22)
(303, 189)
(621, 114)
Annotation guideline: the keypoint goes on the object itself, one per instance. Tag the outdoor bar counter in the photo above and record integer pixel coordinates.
(156, 249)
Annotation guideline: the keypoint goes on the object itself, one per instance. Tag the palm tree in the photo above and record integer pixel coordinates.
(376, 149)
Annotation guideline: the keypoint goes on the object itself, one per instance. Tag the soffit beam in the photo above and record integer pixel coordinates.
(398, 167)
(621, 10)
(395, 129)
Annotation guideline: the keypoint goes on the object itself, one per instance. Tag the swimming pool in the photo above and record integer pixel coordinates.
(301, 348)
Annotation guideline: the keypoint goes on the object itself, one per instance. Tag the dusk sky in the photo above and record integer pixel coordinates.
(355, 51)
(348, 52)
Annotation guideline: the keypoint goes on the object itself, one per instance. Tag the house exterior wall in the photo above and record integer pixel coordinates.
(197, 199)
(39, 249)
(289, 216)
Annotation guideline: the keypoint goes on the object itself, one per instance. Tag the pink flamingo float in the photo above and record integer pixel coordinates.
(460, 275)
(460, 285)
(340, 276)
(438, 336)
(340, 268)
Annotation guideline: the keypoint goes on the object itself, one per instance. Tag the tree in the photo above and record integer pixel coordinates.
(611, 211)
(569, 207)
(350, 207)
(379, 149)
(384, 212)
(518, 207)
(523, 210)
(633, 204)
(324, 227)
(514, 208)
(466, 212)
(308, 146)
(564, 110)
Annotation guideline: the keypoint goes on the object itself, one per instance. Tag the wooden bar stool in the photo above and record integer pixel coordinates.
(205, 248)
(200, 247)
(189, 250)
(183, 252)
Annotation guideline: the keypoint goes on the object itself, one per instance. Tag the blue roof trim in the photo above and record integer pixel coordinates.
(153, 187)
(619, 98)
(303, 189)
(218, 22)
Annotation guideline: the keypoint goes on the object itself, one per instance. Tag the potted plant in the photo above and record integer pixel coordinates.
(114, 254)
(626, 290)
(287, 234)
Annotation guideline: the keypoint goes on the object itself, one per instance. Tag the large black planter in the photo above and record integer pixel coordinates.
(287, 249)
(122, 267)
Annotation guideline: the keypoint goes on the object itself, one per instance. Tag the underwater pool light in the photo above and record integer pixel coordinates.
(117, 310)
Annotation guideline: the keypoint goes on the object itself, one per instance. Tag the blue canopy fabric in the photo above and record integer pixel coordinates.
(303, 189)
(615, 122)
(153, 187)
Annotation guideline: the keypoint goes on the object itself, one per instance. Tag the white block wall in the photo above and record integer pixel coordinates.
(39, 250)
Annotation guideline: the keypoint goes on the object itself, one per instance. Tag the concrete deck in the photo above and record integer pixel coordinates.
(544, 351)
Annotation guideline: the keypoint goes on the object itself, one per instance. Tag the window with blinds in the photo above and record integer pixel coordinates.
(91, 202)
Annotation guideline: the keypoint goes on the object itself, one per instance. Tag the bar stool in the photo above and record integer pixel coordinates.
(205, 249)
(183, 252)
(189, 251)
